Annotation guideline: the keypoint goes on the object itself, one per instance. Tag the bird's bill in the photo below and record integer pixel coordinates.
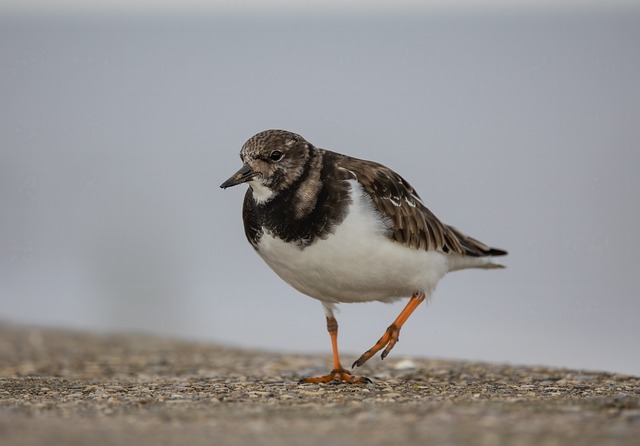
(242, 176)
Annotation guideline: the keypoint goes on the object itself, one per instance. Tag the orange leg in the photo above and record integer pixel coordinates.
(338, 374)
(391, 336)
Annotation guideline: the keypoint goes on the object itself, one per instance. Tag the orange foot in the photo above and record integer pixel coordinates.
(337, 376)
(390, 337)
(387, 341)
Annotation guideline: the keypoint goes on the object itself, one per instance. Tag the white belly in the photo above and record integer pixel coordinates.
(357, 263)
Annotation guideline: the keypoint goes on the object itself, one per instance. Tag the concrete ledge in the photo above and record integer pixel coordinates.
(62, 387)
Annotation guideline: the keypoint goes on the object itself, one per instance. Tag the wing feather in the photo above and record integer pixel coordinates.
(411, 223)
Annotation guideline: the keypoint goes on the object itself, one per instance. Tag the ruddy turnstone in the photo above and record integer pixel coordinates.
(341, 229)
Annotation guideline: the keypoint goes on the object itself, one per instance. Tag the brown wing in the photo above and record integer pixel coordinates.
(411, 223)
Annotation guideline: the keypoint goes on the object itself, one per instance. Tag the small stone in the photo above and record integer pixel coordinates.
(405, 364)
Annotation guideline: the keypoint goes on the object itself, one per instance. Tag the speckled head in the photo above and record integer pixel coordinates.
(273, 161)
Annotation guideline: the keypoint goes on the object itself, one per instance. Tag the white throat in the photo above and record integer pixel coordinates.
(260, 192)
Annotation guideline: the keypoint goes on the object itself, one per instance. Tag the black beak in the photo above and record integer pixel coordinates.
(242, 176)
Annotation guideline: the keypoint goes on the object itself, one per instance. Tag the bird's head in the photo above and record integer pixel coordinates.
(273, 161)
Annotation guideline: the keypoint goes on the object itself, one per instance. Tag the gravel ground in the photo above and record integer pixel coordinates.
(62, 387)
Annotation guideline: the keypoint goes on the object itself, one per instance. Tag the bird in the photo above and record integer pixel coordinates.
(345, 230)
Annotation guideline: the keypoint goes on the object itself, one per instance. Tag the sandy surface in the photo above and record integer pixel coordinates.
(60, 387)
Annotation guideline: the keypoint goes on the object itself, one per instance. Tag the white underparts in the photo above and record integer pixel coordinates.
(357, 263)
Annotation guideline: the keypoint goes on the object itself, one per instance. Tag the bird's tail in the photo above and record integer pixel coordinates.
(475, 248)
(476, 254)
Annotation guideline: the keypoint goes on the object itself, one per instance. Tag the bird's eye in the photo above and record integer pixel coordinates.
(276, 155)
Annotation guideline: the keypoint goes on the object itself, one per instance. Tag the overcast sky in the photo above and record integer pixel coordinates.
(521, 130)
(293, 6)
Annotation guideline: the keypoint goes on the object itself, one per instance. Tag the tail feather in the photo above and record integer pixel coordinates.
(457, 262)
(495, 252)
(475, 248)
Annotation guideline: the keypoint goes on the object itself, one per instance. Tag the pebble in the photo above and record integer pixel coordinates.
(405, 364)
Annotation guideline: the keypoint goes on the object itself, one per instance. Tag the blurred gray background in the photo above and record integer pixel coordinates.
(519, 126)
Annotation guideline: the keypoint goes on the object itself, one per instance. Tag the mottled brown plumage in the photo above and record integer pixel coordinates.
(412, 223)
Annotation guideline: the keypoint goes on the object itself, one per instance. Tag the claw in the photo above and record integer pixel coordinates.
(388, 340)
(337, 376)
(392, 343)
